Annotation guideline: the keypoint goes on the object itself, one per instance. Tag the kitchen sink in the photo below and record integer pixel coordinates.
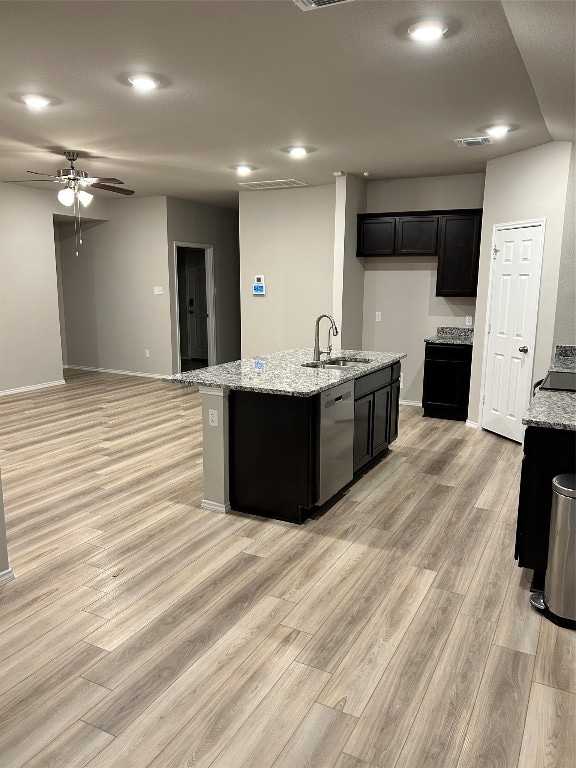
(337, 362)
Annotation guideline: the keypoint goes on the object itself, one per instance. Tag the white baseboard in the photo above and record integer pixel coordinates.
(473, 424)
(411, 402)
(6, 576)
(215, 506)
(17, 390)
(121, 373)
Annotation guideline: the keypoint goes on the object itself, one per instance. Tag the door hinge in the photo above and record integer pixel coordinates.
(495, 252)
(483, 399)
(489, 327)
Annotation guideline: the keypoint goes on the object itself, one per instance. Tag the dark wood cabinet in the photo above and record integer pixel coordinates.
(363, 419)
(547, 453)
(416, 235)
(376, 410)
(447, 380)
(454, 236)
(377, 236)
(458, 254)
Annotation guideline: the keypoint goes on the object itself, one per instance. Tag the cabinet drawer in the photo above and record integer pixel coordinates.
(448, 351)
(372, 382)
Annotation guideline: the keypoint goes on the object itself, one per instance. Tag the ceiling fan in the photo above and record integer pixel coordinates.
(76, 181)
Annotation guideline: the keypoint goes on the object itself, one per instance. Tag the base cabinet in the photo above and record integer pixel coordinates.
(376, 409)
(446, 387)
(547, 453)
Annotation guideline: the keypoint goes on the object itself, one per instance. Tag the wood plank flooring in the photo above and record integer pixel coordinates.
(391, 630)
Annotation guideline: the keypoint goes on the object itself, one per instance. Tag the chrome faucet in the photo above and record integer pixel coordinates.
(333, 328)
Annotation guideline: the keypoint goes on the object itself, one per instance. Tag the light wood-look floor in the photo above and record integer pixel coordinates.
(141, 630)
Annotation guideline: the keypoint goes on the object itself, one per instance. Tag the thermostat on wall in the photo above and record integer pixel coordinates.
(259, 286)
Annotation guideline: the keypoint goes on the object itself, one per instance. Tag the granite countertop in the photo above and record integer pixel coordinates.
(552, 408)
(281, 373)
(448, 335)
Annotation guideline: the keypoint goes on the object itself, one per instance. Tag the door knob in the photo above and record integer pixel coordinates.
(523, 349)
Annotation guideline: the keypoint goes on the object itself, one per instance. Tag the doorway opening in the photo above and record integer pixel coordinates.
(194, 290)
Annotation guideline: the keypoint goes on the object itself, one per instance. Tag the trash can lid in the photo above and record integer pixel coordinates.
(565, 484)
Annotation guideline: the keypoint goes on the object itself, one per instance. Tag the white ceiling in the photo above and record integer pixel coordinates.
(244, 78)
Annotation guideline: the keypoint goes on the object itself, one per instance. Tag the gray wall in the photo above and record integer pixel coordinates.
(525, 185)
(565, 323)
(30, 349)
(4, 565)
(403, 289)
(288, 236)
(352, 268)
(209, 225)
(111, 312)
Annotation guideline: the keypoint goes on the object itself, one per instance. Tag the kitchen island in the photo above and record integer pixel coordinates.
(281, 437)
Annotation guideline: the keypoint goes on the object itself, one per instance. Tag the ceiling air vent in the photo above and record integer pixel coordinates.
(310, 5)
(276, 184)
(476, 141)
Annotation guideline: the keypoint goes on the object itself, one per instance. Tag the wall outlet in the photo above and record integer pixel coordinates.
(469, 321)
(401, 381)
(212, 417)
(378, 316)
(158, 290)
(146, 353)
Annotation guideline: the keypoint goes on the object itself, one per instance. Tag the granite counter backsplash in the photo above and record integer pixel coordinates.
(446, 334)
(564, 358)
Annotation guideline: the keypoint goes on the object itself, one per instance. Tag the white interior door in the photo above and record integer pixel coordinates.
(515, 285)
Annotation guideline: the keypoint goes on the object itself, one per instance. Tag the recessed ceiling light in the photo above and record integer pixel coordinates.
(244, 170)
(297, 151)
(143, 82)
(35, 101)
(427, 31)
(497, 131)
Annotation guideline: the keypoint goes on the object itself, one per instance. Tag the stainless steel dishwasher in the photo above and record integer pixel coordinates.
(336, 439)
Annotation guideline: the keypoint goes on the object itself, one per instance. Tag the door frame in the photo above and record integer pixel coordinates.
(210, 300)
(541, 222)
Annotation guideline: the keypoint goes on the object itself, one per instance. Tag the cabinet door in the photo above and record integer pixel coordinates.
(381, 420)
(363, 417)
(376, 236)
(446, 388)
(416, 235)
(394, 411)
(458, 255)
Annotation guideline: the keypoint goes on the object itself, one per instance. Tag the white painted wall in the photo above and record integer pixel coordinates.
(525, 185)
(112, 314)
(565, 324)
(4, 565)
(30, 349)
(403, 288)
(352, 297)
(288, 236)
(209, 225)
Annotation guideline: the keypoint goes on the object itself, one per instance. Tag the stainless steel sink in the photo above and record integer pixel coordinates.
(337, 362)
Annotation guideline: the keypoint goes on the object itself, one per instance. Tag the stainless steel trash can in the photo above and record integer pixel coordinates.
(560, 585)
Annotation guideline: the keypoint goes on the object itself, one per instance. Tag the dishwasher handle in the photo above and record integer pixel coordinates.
(339, 399)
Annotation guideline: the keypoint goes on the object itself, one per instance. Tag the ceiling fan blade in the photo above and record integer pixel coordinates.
(29, 181)
(102, 180)
(108, 188)
(37, 173)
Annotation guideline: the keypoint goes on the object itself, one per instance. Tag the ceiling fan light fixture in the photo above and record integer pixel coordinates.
(143, 82)
(35, 101)
(85, 198)
(66, 196)
(427, 31)
(498, 131)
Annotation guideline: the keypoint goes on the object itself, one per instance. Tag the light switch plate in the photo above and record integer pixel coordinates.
(158, 290)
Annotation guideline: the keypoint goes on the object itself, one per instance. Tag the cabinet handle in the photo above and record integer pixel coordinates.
(523, 349)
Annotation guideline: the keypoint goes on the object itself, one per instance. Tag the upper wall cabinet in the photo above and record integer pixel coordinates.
(454, 236)
(458, 254)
